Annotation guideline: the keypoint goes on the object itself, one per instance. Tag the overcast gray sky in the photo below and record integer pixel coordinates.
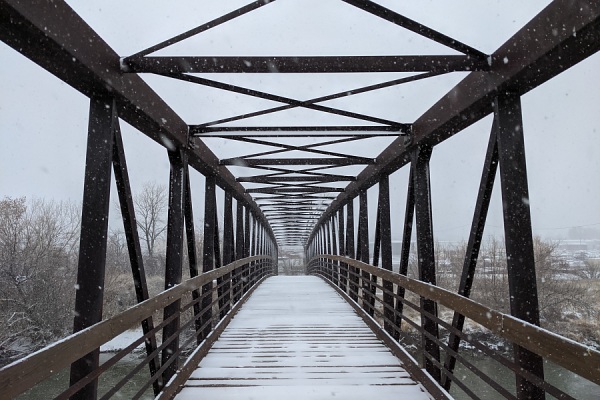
(43, 122)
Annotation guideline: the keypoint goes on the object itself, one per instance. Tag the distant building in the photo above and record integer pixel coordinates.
(579, 245)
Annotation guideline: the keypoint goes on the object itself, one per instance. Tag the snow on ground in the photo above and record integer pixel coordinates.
(123, 340)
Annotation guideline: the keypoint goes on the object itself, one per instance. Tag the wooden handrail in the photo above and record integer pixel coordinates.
(23, 374)
(564, 352)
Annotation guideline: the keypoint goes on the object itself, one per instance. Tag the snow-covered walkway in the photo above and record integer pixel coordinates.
(296, 338)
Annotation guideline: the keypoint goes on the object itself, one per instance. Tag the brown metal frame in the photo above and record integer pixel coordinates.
(52, 35)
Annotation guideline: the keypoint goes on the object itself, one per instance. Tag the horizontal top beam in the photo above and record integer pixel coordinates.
(305, 178)
(303, 64)
(202, 131)
(254, 162)
(307, 189)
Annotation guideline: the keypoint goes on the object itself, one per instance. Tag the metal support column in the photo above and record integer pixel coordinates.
(228, 250)
(385, 235)
(405, 252)
(239, 250)
(217, 254)
(190, 235)
(329, 238)
(425, 251)
(350, 249)
(254, 248)
(518, 233)
(94, 226)
(334, 250)
(247, 248)
(208, 256)
(363, 251)
(342, 250)
(174, 257)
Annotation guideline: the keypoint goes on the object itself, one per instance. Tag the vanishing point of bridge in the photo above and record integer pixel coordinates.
(236, 329)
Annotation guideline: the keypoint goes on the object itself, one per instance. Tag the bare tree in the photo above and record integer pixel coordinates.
(117, 255)
(558, 292)
(590, 270)
(151, 206)
(38, 253)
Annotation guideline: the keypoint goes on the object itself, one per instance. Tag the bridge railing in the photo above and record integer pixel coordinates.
(200, 308)
(393, 305)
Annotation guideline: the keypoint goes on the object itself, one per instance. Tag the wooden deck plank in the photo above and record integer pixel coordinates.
(296, 338)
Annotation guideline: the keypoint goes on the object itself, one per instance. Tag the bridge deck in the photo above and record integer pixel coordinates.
(296, 338)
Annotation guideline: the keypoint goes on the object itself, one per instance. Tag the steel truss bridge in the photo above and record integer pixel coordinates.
(299, 201)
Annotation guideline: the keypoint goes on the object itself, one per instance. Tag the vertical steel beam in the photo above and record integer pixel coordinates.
(334, 250)
(363, 254)
(247, 237)
(328, 228)
(259, 250)
(327, 232)
(376, 256)
(190, 230)
(228, 249)
(472, 253)
(94, 226)
(247, 248)
(239, 250)
(405, 251)
(174, 256)
(320, 240)
(190, 235)
(350, 248)
(425, 251)
(342, 250)
(218, 260)
(218, 257)
(377, 239)
(208, 257)
(518, 233)
(133, 245)
(253, 252)
(385, 233)
(324, 247)
(263, 245)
